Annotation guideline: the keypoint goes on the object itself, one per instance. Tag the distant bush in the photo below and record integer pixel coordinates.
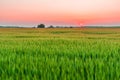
(59, 26)
(51, 26)
(41, 26)
(70, 27)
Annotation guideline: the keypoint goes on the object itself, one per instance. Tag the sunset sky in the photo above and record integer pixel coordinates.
(59, 12)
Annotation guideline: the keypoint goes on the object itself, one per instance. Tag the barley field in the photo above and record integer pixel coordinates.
(60, 54)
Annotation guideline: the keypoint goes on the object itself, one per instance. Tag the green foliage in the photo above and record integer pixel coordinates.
(38, 54)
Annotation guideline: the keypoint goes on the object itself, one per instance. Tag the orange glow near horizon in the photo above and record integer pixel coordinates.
(60, 12)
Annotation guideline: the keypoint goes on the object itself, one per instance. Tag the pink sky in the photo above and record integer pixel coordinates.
(59, 12)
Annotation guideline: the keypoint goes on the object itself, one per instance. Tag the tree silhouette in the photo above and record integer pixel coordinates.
(51, 26)
(41, 26)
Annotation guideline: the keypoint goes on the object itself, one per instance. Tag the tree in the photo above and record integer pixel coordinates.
(41, 26)
(51, 26)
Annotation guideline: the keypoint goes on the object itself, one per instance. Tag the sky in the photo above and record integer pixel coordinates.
(59, 12)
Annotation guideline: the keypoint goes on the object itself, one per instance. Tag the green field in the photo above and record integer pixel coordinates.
(60, 54)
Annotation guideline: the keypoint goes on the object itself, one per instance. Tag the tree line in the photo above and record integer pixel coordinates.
(51, 26)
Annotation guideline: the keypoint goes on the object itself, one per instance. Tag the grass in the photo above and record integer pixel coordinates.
(60, 54)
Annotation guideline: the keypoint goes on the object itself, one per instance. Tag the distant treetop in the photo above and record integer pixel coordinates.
(41, 26)
(51, 26)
